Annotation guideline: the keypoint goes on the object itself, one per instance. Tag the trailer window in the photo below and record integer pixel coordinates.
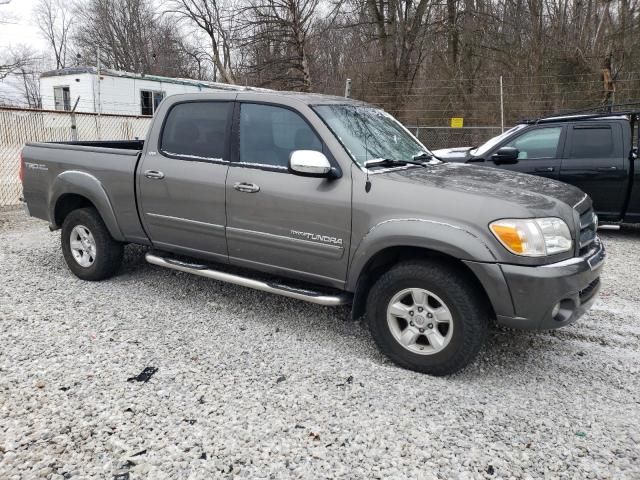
(62, 98)
(150, 101)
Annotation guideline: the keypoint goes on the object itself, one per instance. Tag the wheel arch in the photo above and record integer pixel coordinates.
(74, 189)
(458, 246)
(387, 257)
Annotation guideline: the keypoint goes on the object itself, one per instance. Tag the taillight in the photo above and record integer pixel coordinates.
(21, 171)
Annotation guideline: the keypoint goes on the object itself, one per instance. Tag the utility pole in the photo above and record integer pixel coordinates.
(99, 68)
(501, 106)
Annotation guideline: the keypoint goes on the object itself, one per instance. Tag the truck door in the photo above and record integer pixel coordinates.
(594, 161)
(281, 222)
(181, 180)
(538, 151)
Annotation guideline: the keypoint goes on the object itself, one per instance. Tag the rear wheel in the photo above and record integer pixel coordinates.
(88, 248)
(427, 317)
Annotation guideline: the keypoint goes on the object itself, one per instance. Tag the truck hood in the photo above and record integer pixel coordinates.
(535, 193)
(456, 154)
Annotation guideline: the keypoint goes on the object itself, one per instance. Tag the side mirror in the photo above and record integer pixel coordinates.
(505, 156)
(310, 163)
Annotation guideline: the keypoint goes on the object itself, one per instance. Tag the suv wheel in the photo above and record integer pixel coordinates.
(88, 248)
(427, 317)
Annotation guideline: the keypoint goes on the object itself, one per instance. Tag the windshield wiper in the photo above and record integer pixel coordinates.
(380, 162)
(422, 156)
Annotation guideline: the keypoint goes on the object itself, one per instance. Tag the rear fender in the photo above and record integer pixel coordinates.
(88, 186)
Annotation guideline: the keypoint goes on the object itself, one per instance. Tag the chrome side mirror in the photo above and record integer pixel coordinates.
(310, 163)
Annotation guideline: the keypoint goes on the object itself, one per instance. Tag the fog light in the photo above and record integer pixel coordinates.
(556, 310)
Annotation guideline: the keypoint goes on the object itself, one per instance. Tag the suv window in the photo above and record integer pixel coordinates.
(592, 142)
(269, 134)
(196, 130)
(538, 143)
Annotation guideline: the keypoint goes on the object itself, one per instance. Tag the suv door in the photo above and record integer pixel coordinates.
(182, 184)
(594, 161)
(539, 149)
(277, 221)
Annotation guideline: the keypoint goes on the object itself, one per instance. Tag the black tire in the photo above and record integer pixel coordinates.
(108, 252)
(469, 314)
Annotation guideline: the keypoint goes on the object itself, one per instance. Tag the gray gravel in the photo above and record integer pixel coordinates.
(259, 386)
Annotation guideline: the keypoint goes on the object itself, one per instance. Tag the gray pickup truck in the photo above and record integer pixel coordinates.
(331, 201)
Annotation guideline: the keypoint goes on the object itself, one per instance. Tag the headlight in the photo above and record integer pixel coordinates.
(533, 237)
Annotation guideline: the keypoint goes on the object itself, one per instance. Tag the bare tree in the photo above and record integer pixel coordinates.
(279, 33)
(216, 22)
(55, 21)
(30, 86)
(14, 60)
(130, 35)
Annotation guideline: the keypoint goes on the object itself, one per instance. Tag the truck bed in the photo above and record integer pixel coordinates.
(137, 145)
(105, 169)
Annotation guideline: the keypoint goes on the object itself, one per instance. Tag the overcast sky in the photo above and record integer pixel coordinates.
(23, 31)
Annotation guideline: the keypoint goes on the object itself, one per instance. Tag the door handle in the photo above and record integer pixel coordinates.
(610, 168)
(154, 174)
(246, 187)
(545, 169)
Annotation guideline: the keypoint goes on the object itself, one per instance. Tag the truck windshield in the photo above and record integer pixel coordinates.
(370, 133)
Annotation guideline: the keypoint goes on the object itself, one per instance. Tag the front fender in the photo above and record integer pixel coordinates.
(84, 184)
(438, 236)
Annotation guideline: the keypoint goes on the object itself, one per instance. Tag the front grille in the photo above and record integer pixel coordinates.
(587, 293)
(587, 234)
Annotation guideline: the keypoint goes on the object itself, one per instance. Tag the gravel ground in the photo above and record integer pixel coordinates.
(252, 385)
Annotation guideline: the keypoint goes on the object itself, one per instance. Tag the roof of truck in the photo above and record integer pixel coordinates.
(577, 117)
(273, 95)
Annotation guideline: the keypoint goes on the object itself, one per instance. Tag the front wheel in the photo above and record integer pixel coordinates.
(88, 248)
(427, 317)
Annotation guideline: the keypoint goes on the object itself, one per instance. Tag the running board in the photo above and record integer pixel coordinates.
(271, 287)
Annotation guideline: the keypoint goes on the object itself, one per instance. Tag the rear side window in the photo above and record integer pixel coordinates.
(196, 130)
(269, 134)
(592, 142)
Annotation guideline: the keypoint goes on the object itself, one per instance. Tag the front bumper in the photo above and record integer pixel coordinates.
(555, 295)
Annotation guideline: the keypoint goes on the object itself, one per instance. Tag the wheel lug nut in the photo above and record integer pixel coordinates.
(430, 315)
(430, 326)
(422, 330)
(411, 323)
(411, 312)
(420, 309)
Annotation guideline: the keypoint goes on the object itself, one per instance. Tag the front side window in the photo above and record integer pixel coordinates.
(196, 130)
(269, 134)
(150, 101)
(369, 133)
(62, 98)
(592, 142)
(492, 142)
(539, 143)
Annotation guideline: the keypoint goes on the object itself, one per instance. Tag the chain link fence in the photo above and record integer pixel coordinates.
(20, 126)
(447, 137)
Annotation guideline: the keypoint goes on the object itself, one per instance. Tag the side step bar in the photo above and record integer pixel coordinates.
(271, 287)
